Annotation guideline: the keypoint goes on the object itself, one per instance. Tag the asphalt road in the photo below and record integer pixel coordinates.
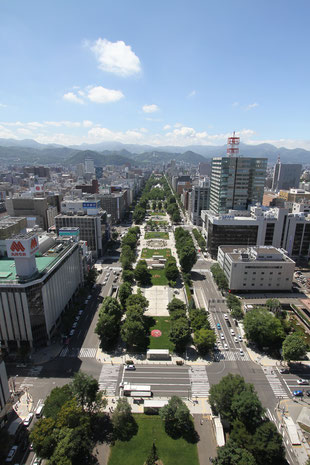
(165, 380)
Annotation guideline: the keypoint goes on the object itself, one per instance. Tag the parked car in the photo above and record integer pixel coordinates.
(297, 393)
(28, 419)
(21, 365)
(80, 312)
(226, 346)
(71, 332)
(11, 454)
(240, 338)
(241, 352)
(74, 325)
(37, 461)
(308, 393)
(225, 316)
(302, 381)
(222, 336)
(232, 332)
(236, 339)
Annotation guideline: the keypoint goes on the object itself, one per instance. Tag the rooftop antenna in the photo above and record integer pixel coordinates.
(233, 145)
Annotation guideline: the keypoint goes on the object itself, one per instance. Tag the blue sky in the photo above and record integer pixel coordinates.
(165, 72)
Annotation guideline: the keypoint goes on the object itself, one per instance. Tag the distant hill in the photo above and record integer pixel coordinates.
(100, 159)
(105, 153)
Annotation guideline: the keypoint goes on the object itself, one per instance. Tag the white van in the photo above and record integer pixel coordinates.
(39, 411)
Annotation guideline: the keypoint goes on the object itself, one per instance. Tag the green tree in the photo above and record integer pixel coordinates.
(204, 340)
(107, 328)
(199, 319)
(43, 438)
(70, 415)
(176, 314)
(222, 394)
(273, 305)
(73, 447)
(188, 258)
(86, 390)
(171, 270)
(237, 312)
(247, 408)
(114, 235)
(138, 299)
(57, 398)
(176, 417)
(267, 445)
(176, 304)
(176, 217)
(142, 273)
(294, 347)
(154, 205)
(133, 333)
(128, 276)
(240, 435)
(124, 425)
(124, 292)
(111, 306)
(231, 454)
(153, 456)
(159, 205)
(180, 333)
(263, 328)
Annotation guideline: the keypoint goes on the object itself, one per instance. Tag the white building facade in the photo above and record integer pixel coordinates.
(256, 268)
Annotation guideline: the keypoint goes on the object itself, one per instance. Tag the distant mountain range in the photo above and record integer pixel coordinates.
(116, 153)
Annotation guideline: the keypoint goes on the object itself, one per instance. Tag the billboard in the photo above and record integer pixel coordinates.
(69, 232)
(90, 205)
(22, 246)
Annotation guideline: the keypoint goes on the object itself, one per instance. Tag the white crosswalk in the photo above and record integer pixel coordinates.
(231, 356)
(276, 385)
(199, 381)
(77, 352)
(108, 379)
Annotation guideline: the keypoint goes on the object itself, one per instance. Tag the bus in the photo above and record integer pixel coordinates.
(39, 411)
(136, 390)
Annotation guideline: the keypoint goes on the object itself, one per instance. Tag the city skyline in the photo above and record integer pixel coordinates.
(144, 74)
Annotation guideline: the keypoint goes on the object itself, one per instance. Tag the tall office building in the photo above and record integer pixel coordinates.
(198, 201)
(236, 183)
(286, 176)
(89, 166)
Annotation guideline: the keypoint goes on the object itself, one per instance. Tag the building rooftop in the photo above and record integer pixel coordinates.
(43, 263)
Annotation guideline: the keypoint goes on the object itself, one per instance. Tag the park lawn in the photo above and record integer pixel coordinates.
(162, 342)
(158, 213)
(151, 428)
(156, 235)
(148, 253)
(159, 278)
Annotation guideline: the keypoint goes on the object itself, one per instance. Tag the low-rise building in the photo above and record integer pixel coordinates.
(258, 226)
(256, 268)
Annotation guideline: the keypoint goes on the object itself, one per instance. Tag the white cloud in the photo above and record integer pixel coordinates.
(101, 134)
(87, 124)
(251, 106)
(235, 104)
(166, 127)
(150, 108)
(100, 94)
(115, 57)
(58, 124)
(2, 105)
(178, 125)
(71, 97)
(192, 94)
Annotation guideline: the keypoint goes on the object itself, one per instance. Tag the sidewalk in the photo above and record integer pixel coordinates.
(46, 354)
(140, 359)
